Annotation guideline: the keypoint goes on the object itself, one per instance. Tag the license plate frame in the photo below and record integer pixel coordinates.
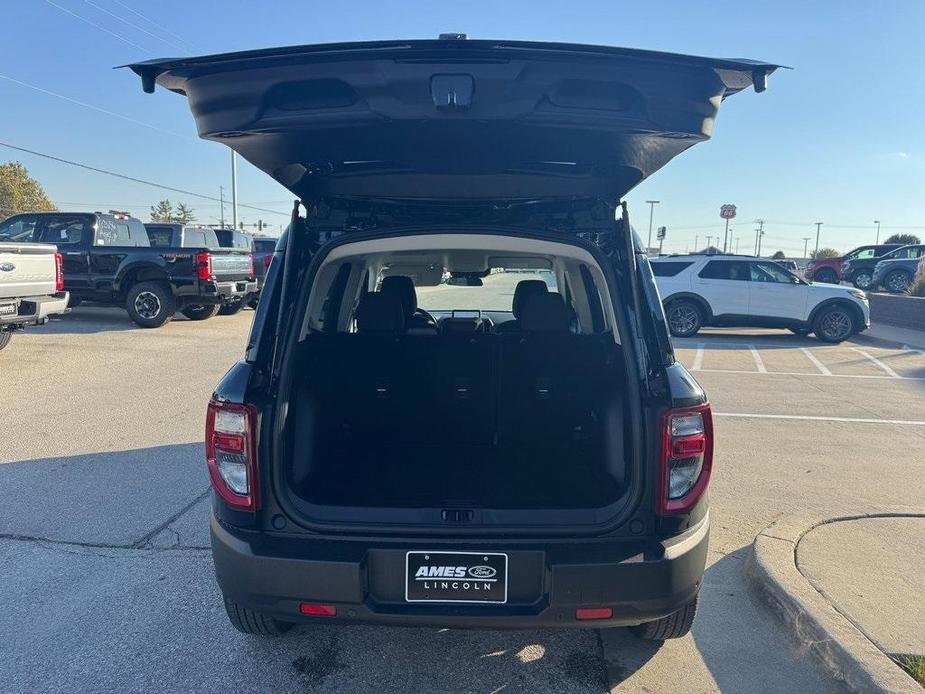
(8, 309)
(456, 577)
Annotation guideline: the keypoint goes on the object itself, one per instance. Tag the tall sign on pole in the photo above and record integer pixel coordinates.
(727, 212)
(660, 235)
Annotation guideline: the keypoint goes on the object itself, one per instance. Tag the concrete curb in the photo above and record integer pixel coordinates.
(843, 649)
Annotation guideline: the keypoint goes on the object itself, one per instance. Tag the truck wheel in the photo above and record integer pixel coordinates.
(833, 324)
(250, 622)
(231, 308)
(200, 311)
(150, 304)
(827, 276)
(897, 281)
(5, 337)
(674, 626)
(684, 318)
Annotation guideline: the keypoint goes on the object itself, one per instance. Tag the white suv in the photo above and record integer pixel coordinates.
(699, 290)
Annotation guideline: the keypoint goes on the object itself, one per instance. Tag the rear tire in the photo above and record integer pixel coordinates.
(834, 324)
(200, 311)
(248, 621)
(5, 337)
(232, 308)
(897, 281)
(150, 304)
(674, 626)
(684, 318)
(827, 276)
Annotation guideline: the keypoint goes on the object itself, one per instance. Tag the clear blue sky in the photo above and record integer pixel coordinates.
(839, 139)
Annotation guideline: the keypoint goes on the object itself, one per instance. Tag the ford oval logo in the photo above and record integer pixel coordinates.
(7, 267)
(482, 572)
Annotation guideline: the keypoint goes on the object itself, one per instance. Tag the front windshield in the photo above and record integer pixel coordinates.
(495, 294)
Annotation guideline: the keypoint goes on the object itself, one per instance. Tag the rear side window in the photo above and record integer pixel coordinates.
(160, 237)
(733, 270)
(111, 232)
(66, 230)
(669, 269)
(19, 228)
(194, 238)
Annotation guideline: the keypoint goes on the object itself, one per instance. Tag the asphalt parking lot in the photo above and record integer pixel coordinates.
(106, 581)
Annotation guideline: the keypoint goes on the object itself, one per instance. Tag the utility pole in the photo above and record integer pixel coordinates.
(806, 245)
(759, 232)
(651, 204)
(877, 222)
(696, 237)
(221, 196)
(736, 241)
(818, 228)
(234, 189)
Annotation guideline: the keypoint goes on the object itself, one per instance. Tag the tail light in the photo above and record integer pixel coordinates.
(204, 266)
(251, 273)
(686, 458)
(59, 272)
(231, 453)
(267, 259)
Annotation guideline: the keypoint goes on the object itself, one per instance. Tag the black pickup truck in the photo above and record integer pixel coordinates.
(109, 259)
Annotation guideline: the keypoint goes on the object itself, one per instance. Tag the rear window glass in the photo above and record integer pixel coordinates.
(112, 232)
(668, 269)
(161, 237)
(725, 270)
(66, 230)
(265, 245)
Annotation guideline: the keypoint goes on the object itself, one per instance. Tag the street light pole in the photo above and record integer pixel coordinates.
(234, 189)
(818, 227)
(651, 204)
(696, 237)
(221, 197)
(877, 222)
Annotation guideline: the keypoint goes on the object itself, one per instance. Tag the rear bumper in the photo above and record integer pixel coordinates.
(34, 310)
(546, 584)
(231, 291)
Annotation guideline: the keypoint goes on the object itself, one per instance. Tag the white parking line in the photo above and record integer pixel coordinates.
(698, 358)
(876, 362)
(812, 375)
(823, 369)
(852, 420)
(757, 357)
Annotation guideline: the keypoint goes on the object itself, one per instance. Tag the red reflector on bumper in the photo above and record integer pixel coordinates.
(594, 613)
(318, 610)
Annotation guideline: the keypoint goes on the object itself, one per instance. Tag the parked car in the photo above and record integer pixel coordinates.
(263, 249)
(833, 271)
(376, 460)
(740, 291)
(895, 270)
(31, 286)
(108, 259)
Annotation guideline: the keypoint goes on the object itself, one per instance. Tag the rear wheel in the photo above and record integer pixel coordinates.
(684, 318)
(897, 281)
(674, 626)
(150, 304)
(5, 337)
(834, 324)
(862, 279)
(231, 308)
(248, 621)
(200, 311)
(826, 275)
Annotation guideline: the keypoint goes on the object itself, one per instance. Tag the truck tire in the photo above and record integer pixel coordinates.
(834, 324)
(684, 318)
(5, 337)
(897, 281)
(200, 311)
(826, 275)
(150, 304)
(674, 626)
(231, 308)
(248, 621)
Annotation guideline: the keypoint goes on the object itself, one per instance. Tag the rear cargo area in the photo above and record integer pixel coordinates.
(492, 421)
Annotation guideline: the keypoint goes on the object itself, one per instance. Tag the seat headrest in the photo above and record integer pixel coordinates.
(524, 289)
(544, 313)
(402, 288)
(379, 313)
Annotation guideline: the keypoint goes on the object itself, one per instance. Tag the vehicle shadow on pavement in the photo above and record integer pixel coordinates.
(85, 320)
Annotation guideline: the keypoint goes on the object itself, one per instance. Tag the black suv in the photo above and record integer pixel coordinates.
(517, 447)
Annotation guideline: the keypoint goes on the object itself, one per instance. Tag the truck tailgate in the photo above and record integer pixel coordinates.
(26, 269)
(230, 265)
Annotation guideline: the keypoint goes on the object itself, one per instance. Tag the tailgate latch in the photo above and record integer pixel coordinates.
(451, 92)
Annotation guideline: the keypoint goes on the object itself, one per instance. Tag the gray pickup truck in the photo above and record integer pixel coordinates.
(31, 286)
